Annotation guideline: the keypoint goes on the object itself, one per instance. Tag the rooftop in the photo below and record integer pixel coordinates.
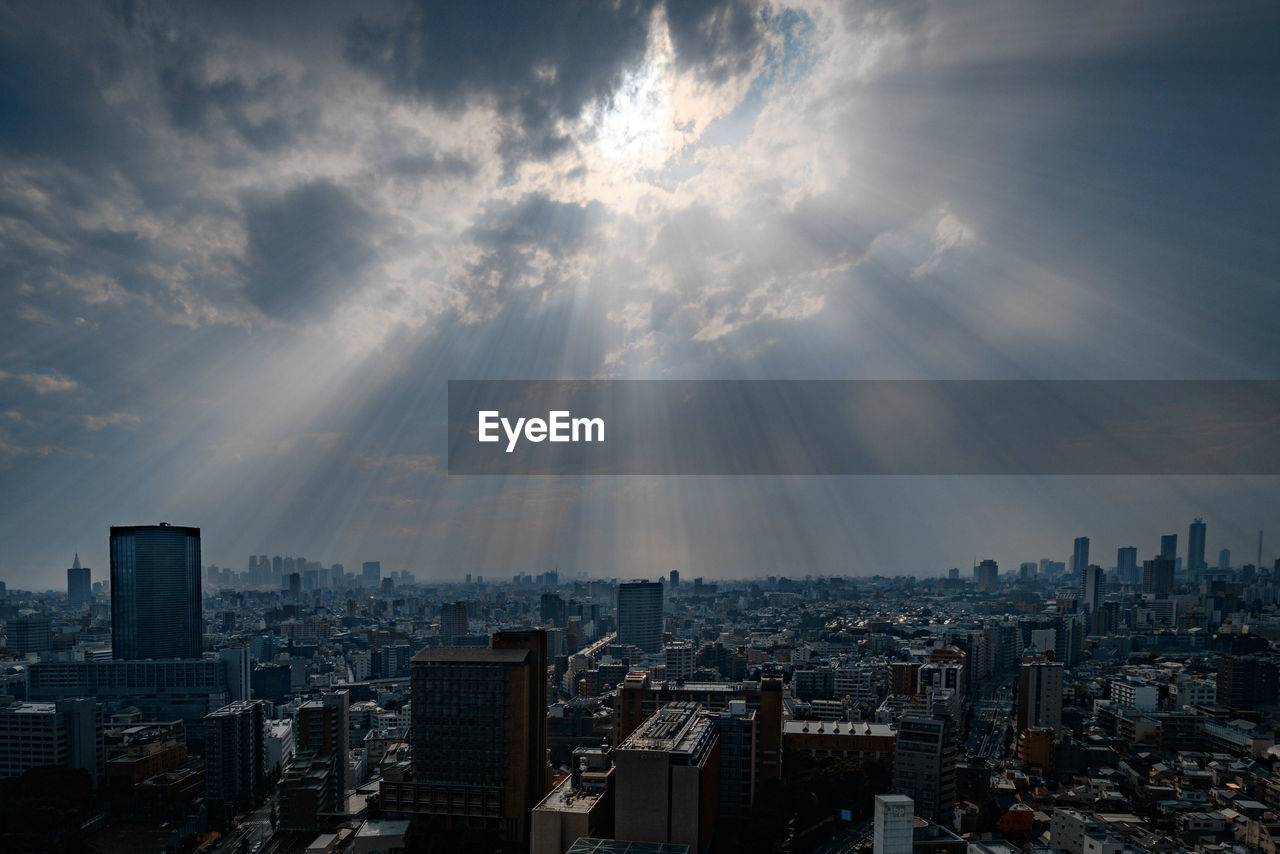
(471, 654)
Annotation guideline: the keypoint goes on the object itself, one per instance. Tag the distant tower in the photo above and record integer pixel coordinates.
(79, 587)
(1195, 548)
(371, 573)
(1127, 565)
(640, 615)
(453, 622)
(155, 592)
(1169, 547)
(1092, 586)
(1080, 555)
(1224, 559)
(1157, 576)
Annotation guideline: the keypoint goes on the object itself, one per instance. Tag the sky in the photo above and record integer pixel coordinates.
(244, 246)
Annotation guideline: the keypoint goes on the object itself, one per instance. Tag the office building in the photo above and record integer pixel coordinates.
(31, 635)
(235, 762)
(580, 806)
(640, 615)
(1092, 585)
(1157, 576)
(371, 573)
(553, 610)
(1169, 547)
(239, 672)
(1195, 548)
(453, 622)
(79, 584)
(894, 825)
(478, 728)
(1246, 682)
(67, 733)
(1040, 694)
(924, 765)
(987, 576)
(155, 592)
(1080, 555)
(160, 690)
(667, 779)
(1127, 566)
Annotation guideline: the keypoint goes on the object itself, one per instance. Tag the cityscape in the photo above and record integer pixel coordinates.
(639, 427)
(288, 706)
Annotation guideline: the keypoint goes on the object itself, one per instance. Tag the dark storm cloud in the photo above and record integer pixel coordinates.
(540, 63)
(524, 245)
(306, 249)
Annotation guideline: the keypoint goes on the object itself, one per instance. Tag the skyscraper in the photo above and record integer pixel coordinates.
(155, 592)
(371, 573)
(640, 615)
(235, 755)
(1169, 547)
(1080, 555)
(1157, 576)
(1127, 565)
(987, 575)
(1195, 548)
(79, 586)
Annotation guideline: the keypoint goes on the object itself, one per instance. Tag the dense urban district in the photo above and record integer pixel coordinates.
(288, 706)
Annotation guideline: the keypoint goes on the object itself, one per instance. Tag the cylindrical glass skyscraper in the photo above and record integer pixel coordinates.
(155, 592)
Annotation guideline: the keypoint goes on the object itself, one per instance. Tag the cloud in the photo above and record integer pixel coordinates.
(93, 423)
(306, 250)
(41, 383)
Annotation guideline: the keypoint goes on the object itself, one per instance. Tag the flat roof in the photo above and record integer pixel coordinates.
(471, 655)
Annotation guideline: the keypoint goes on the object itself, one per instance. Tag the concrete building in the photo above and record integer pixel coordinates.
(894, 828)
(858, 740)
(32, 635)
(667, 775)
(323, 731)
(1040, 694)
(479, 737)
(1068, 828)
(924, 765)
(235, 755)
(68, 733)
(581, 805)
(453, 622)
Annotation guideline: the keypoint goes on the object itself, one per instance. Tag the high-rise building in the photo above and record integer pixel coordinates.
(155, 592)
(1080, 555)
(1040, 694)
(371, 573)
(1224, 559)
(1195, 548)
(1169, 547)
(1092, 585)
(667, 774)
(235, 755)
(673, 581)
(66, 733)
(987, 575)
(1157, 576)
(316, 781)
(640, 615)
(478, 729)
(453, 622)
(924, 765)
(1127, 566)
(553, 610)
(79, 585)
(894, 831)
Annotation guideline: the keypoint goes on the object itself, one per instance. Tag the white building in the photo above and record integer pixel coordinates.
(894, 824)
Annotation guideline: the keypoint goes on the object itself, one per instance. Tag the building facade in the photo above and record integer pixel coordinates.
(155, 592)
